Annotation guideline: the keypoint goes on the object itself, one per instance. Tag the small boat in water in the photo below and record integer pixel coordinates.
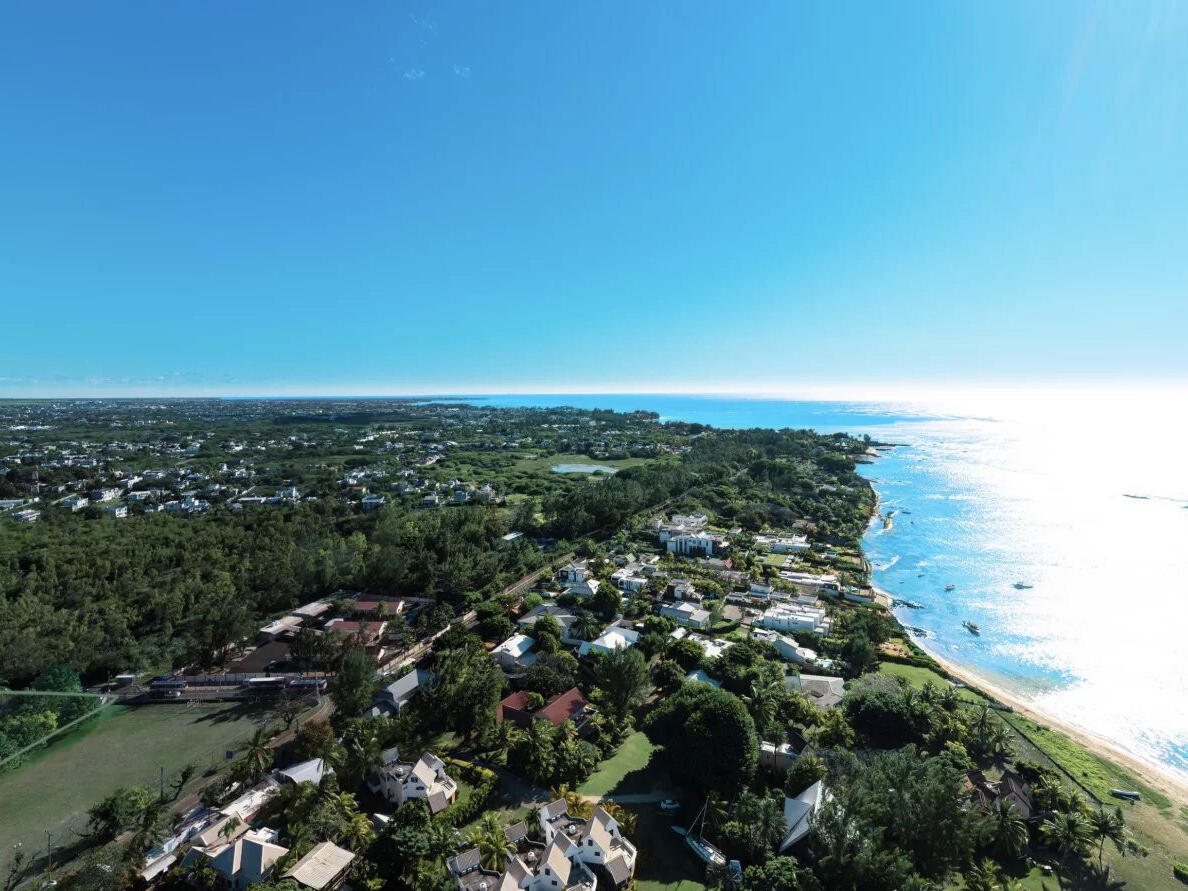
(971, 627)
(950, 587)
(1023, 586)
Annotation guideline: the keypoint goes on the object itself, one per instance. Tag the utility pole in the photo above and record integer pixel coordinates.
(162, 782)
(48, 844)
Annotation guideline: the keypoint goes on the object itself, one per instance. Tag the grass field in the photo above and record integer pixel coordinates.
(624, 772)
(123, 746)
(665, 863)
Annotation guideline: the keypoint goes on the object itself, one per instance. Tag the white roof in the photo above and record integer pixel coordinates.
(517, 645)
(798, 813)
(320, 866)
(310, 771)
(613, 638)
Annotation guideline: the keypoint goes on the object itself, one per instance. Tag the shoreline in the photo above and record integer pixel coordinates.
(1171, 786)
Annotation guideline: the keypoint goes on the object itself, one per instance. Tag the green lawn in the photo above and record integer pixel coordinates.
(123, 746)
(624, 772)
(665, 863)
(918, 677)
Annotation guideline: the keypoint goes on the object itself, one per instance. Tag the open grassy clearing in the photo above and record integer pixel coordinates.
(624, 772)
(124, 746)
(665, 863)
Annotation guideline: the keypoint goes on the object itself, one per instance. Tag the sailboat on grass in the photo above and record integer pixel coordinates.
(705, 851)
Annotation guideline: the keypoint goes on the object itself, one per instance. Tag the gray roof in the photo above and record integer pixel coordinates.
(310, 771)
(402, 689)
(464, 862)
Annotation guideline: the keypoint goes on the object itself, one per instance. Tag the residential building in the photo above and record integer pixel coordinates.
(810, 582)
(564, 615)
(75, 503)
(782, 544)
(795, 618)
(613, 638)
(324, 868)
(787, 647)
(573, 573)
(696, 544)
(515, 653)
(776, 757)
(686, 614)
(400, 781)
(396, 695)
(568, 706)
(310, 771)
(373, 502)
(245, 861)
(822, 690)
(799, 813)
(597, 843)
(584, 589)
(630, 578)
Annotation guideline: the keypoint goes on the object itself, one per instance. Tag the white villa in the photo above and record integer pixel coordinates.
(795, 617)
(399, 781)
(515, 653)
(787, 647)
(613, 638)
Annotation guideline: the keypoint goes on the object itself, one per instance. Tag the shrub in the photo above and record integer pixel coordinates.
(1180, 871)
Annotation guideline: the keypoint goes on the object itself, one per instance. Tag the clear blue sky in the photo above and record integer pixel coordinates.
(258, 197)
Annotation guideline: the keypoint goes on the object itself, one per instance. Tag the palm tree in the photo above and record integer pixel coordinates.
(949, 699)
(357, 834)
(1068, 833)
(257, 758)
(538, 755)
(228, 829)
(491, 842)
(441, 839)
(763, 701)
(716, 809)
(1106, 825)
(1005, 829)
(587, 626)
(150, 827)
(575, 804)
(986, 876)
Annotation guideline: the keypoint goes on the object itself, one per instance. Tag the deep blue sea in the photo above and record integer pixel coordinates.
(1079, 498)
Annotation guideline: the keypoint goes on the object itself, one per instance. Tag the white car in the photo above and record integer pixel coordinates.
(670, 804)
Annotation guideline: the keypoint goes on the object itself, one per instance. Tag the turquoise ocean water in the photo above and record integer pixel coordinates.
(1082, 500)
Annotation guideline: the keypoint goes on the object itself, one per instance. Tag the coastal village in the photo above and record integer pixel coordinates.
(665, 668)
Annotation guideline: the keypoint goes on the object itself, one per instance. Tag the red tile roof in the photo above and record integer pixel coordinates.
(566, 706)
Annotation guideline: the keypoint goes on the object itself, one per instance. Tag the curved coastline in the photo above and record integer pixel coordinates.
(1153, 775)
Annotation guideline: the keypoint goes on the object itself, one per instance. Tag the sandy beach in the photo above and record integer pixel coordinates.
(1168, 785)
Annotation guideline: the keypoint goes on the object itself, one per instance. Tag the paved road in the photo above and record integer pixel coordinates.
(642, 798)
